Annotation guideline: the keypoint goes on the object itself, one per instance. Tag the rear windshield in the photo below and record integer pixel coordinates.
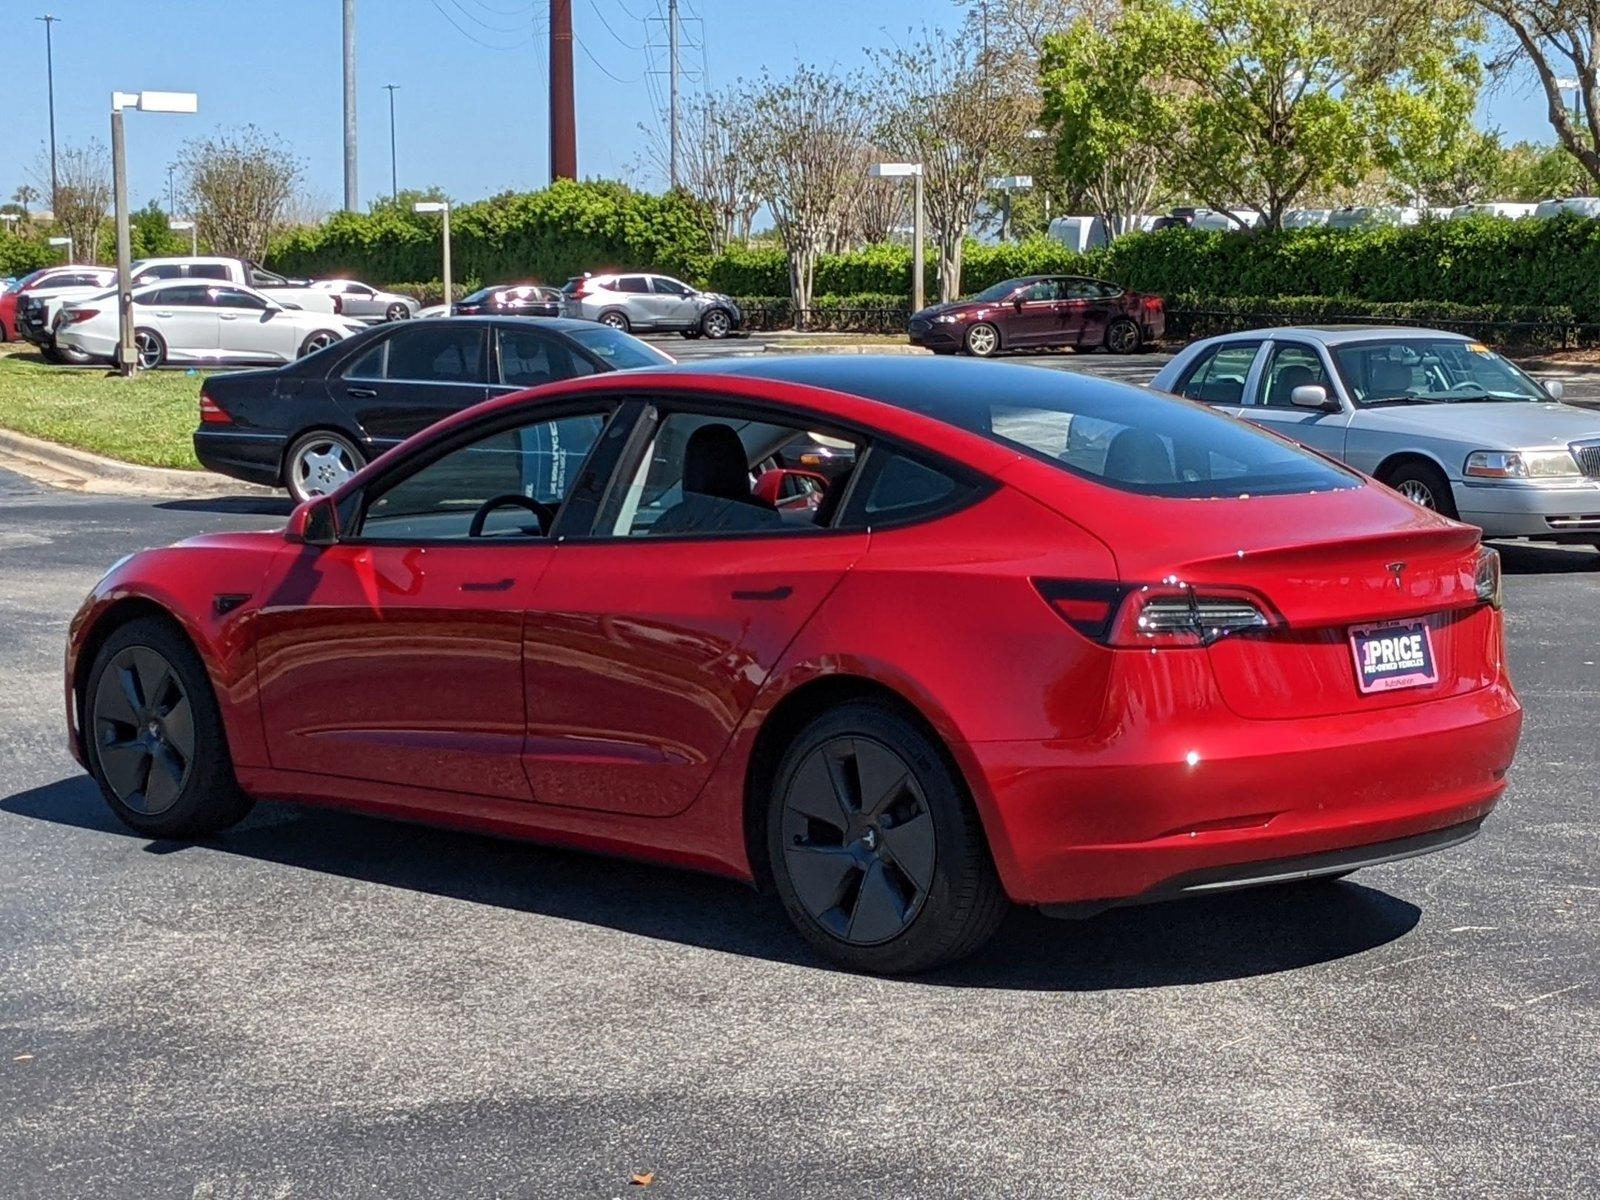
(620, 350)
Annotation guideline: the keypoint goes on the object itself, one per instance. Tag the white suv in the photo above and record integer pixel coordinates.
(642, 303)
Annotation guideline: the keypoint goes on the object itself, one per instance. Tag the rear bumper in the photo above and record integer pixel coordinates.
(252, 457)
(1530, 510)
(1147, 813)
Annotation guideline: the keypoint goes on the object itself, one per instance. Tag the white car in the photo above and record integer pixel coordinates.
(196, 322)
(1583, 206)
(367, 303)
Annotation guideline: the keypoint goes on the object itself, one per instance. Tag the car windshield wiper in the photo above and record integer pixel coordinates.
(1395, 400)
(1471, 392)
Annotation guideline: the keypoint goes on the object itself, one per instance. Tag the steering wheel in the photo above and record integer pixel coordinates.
(546, 514)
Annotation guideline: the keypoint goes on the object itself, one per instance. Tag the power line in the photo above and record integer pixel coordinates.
(472, 37)
(472, 16)
(603, 68)
(609, 29)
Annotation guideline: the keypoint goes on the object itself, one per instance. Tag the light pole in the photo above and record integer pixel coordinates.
(443, 208)
(901, 171)
(1575, 86)
(1038, 137)
(163, 102)
(1005, 186)
(50, 85)
(62, 241)
(194, 235)
(394, 171)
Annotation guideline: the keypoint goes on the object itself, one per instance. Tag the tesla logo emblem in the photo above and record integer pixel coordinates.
(1397, 570)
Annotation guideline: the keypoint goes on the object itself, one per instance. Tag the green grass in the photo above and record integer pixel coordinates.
(146, 420)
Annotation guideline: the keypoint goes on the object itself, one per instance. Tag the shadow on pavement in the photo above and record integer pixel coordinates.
(1186, 942)
(1527, 558)
(248, 506)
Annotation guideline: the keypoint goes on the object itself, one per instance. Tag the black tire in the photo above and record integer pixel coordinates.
(982, 340)
(689, 335)
(152, 349)
(397, 312)
(717, 324)
(1123, 337)
(871, 886)
(319, 339)
(167, 727)
(1422, 483)
(53, 356)
(616, 320)
(318, 462)
(5, 334)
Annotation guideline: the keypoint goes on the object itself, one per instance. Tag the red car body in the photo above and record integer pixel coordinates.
(1037, 312)
(620, 695)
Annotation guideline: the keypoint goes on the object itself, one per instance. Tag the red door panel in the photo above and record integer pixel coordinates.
(400, 664)
(641, 656)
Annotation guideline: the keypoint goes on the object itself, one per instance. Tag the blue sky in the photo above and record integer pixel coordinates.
(473, 92)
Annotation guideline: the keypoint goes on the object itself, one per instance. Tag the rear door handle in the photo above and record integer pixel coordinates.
(227, 317)
(487, 585)
(360, 393)
(781, 592)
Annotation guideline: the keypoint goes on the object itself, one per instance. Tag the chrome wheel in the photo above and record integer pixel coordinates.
(320, 464)
(143, 729)
(320, 340)
(397, 312)
(150, 349)
(1122, 337)
(983, 340)
(615, 320)
(858, 840)
(1417, 492)
(716, 324)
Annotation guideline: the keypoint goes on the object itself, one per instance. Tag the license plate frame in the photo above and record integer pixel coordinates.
(1390, 656)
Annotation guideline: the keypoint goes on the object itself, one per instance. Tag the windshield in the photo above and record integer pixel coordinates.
(998, 291)
(1424, 370)
(620, 350)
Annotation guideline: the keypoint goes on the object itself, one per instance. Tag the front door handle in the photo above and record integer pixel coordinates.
(361, 393)
(781, 592)
(487, 585)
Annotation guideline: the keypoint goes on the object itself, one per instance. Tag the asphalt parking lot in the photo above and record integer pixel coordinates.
(318, 1004)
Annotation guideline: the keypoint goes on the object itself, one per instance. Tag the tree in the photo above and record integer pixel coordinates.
(25, 196)
(1257, 102)
(1560, 40)
(805, 141)
(151, 236)
(238, 185)
(946, 112)
(83, 194)
(715, 166)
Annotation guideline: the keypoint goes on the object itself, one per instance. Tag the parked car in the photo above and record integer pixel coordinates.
(643, 303)
(289, 293)
(1038, 311)
(568, 615)
(1441, 418)
(1582, 206)
(366, 303)
(1371, 216)
(183, 322)
(511, 300)
(311, 425)
(1306, 218)
(1494, 208)
(23, 311)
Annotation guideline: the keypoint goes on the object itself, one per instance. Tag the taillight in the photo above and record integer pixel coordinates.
(1152, 303)
(72, 316)
(582, 290)
(1486, 576)
(211, 414)
(1154, 616)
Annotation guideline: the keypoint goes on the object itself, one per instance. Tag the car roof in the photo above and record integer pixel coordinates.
(1338, 335)
(556, 324)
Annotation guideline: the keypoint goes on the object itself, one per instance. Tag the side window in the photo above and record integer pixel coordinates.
(528, 359)
(234, 298)
(632, 283)
(1220, 374)
(371, 364)
(208, 271)
(668, 287)
(192, 296)
(540, 461)
(162, 271)
(258, 276)
(696, 478)
(1081, 289)
(902, 488)
(1046, 289)
(1292, 365)
(443, 353)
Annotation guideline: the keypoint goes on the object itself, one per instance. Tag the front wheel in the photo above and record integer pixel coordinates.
(1122, 337)
(875, 849)
(1422, 484)
(154, 738)
(983, 340)
(397, 312)
(319, 462)
(716, 324)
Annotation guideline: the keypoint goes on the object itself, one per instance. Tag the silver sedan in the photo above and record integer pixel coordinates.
(365, 303)
(1439, 417)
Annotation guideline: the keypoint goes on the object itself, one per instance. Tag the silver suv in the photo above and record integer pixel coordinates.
(639, 303)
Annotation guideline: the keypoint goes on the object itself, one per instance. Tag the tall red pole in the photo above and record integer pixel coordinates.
(563, 116)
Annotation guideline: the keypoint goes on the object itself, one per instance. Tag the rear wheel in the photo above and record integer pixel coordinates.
(154, 738)
(152, 350)
(397, 312)
(877, 854)
(1122, 337)
(320, 340)
(1422, 483)
(983, 340)
(319, 462)
(615, 320)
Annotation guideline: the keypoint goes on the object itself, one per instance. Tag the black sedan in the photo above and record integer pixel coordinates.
(310, 425)
(510, 300)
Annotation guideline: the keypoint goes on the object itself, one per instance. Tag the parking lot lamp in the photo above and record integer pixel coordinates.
(1005, 186)
(62, 241)
(194, 235)
(162, 102)
(442, 207)
(901, 171)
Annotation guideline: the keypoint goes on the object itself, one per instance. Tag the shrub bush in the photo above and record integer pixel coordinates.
(22, 255)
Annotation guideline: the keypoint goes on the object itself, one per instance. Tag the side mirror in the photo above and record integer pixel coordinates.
(314, 523)
(1553, 388)
(770, 487)
(1313, 395)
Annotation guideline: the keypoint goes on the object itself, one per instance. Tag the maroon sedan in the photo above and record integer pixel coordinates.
(1042, 310)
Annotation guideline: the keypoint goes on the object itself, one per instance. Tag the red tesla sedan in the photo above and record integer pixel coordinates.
(1051, 640)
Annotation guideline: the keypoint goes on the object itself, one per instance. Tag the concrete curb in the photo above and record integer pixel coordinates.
(79, 470)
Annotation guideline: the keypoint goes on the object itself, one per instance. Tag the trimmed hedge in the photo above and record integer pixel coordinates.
(864, 312)
(1543, 327)
(543, 237)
